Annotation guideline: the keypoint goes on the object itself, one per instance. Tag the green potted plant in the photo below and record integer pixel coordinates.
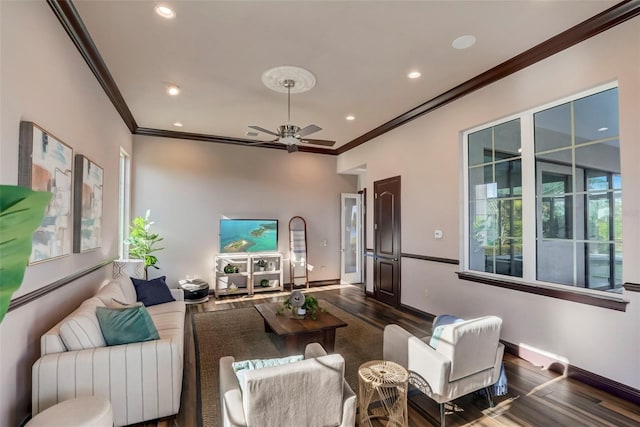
(141, 241)
(310, 306)
(261, 264)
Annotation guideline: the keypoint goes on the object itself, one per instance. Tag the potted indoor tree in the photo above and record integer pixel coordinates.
(142, 242)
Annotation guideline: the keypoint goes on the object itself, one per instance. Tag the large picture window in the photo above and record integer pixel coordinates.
(544, 194)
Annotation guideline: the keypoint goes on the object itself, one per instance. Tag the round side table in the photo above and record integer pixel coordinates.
(90, 411)
(383, 393)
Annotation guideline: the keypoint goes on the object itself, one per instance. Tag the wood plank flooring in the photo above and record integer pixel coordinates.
(536, 397)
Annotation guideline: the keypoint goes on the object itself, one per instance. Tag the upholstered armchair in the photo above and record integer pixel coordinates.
(467, 358)
(311, 393)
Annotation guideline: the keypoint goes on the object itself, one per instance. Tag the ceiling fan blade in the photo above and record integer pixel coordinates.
(292, 148)
(263, 130)
(323, 142)
(308, 130)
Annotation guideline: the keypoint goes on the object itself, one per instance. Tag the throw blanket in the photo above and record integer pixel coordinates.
(298, 247)
(500, 388)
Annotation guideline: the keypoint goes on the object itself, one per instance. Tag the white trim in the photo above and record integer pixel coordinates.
(529, 200)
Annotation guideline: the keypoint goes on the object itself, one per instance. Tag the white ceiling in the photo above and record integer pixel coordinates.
(359, 51)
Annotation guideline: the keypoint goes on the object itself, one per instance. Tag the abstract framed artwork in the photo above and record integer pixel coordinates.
(45, 164)
(87, 209)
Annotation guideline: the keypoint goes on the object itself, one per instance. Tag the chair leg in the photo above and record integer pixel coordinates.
(487, 390)
(442, 415)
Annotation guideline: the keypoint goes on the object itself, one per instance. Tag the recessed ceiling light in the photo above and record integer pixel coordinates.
(165, 11)
(178, 124)
(464, 42)
(350, 117)
(602, 129)
(414, 74)
(173, 90)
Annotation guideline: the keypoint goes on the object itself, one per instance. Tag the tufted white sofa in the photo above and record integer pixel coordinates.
(142, 380)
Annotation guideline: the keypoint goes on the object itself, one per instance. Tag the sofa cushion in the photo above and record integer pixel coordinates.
(111, 291)
(81, 329)
(128, 289)
(152, 292)
(126, 325)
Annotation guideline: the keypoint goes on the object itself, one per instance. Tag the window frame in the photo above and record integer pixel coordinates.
(528, 282)
(124, 201)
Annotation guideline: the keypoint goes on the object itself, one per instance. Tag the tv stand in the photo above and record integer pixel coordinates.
(245, 273)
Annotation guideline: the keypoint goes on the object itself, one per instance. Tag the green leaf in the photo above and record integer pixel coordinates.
(21, 212)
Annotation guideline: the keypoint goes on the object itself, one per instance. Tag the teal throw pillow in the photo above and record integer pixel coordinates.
(126, 325)
(242, 367)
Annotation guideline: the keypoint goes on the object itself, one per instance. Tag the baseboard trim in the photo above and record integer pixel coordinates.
(416, 312)
(608, 385)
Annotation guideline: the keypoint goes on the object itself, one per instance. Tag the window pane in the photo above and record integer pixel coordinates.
(483, 232)
(617, 216)
(552, 128)
(555, 261)
(604, 157)
(617, 269)
(555, 184)
(596, 116)
(507, 140)
(598, 216)
(481, 185)
(562, 157)
(480, 147)
(556, 215)
(509, 178)
(599, 259)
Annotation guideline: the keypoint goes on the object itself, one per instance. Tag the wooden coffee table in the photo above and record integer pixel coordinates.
(298, 333)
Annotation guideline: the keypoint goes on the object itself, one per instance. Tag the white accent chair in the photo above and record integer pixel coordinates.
(468, 358)
(310, 393)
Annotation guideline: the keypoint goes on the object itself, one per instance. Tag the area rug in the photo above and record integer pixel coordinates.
(240, 333)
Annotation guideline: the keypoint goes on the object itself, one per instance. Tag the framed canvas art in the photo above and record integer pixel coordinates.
(87, 209)
(45, 164)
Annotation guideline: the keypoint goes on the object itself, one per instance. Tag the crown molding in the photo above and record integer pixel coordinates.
(70, 20)
(611, 17)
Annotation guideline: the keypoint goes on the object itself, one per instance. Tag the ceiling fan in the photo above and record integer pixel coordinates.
(292, 135)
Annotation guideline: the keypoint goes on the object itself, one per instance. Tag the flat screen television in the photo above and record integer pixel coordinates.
(248, 235)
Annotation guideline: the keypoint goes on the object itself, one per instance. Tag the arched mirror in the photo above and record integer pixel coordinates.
(298, 252)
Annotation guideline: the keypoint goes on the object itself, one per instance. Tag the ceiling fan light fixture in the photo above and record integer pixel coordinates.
(173, 90)
(165, 11)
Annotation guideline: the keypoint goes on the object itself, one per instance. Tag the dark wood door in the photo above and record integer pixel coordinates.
(386, 229)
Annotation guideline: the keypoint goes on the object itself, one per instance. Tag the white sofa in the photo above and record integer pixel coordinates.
(142, 380)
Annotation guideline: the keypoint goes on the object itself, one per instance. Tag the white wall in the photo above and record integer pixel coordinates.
(190, 185)
(45, 80)
(426, 155)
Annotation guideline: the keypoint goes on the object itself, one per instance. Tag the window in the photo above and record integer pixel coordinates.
(124, 187)
(544, 194)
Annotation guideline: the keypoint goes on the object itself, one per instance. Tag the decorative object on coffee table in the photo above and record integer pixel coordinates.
(299, 332)
(383, 384)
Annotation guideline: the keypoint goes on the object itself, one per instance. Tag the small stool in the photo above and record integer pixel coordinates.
(383, 384)
(90, 411)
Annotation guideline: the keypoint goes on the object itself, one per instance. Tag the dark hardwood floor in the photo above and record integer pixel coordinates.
(536, 397)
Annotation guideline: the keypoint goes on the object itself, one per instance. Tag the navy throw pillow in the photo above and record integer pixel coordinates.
(152, 292)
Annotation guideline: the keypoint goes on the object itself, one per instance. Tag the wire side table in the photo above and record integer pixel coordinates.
(383, 393)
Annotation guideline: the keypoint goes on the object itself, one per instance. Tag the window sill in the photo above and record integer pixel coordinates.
(603, 301)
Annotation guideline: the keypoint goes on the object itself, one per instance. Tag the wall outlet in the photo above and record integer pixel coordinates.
(426, 292)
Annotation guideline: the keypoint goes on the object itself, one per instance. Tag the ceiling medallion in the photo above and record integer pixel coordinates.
(275, 79)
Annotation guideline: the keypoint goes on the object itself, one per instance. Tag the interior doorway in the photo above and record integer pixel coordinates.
(352, 238)
(387, 250)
